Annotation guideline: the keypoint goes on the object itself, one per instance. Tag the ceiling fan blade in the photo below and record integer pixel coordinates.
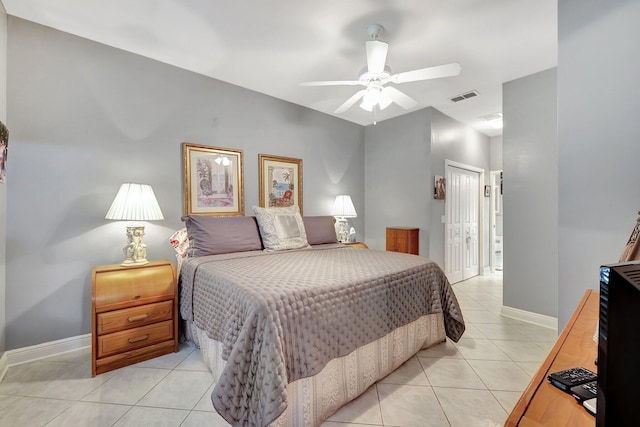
(331, 83)
(447, 70)
(349, 102)
(376, 56)
(405, 101)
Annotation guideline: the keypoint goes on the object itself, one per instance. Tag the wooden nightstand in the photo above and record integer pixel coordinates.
(134, 314)
(403, 239)
(357, 245)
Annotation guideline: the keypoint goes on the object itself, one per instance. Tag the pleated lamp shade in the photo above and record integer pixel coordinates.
(343, 207)
(135, 202)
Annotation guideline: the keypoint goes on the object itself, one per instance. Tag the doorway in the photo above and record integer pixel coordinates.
(463, 241)
(496, 246)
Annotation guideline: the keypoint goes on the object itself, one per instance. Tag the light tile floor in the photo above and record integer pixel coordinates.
(474, 382)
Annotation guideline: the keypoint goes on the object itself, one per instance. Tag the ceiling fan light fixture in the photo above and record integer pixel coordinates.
(367, 107)
(370, 99)
(384, 101)
(375, 96)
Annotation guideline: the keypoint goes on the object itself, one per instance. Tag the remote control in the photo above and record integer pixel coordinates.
(568, 378)
(585, 391)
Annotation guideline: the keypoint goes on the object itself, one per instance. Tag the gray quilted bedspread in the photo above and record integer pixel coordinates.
(282, 316)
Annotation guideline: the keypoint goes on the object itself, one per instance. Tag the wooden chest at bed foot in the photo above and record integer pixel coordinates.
(134, 314)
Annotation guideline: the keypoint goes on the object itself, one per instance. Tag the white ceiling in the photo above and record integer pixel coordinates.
(270, 46)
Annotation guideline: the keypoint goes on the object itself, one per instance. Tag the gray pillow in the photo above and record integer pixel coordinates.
(212, 235)
(320, 229)
(281, 228)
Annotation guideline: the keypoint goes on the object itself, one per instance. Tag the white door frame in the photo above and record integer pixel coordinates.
(481, 226)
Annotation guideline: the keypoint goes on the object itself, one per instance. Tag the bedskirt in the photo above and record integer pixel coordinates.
(313, 399)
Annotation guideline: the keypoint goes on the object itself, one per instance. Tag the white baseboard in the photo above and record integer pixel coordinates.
(530, 317)
(4, 365)
(47, 349)
(486, 271)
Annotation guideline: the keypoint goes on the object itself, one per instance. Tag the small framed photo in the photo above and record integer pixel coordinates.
(213, 180)
(4, 150)
(280, 181)
(487, 191)
(439, 188)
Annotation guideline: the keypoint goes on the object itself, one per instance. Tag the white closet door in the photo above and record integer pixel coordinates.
(453, 227)
(462, 224)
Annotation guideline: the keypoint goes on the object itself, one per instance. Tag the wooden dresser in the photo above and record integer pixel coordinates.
(403, 239)
(542, 404)
(134, 314)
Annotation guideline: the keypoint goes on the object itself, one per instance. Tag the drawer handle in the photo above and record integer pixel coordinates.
(134, 319)
(135, 340)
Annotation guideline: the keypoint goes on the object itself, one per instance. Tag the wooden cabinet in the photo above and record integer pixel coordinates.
(403, 239)
(134, 314)
(542, 404)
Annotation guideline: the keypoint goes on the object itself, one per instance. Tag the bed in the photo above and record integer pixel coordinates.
(293, 324)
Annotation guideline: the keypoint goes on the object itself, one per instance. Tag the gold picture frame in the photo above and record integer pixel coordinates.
(213, 180)
(280, 181)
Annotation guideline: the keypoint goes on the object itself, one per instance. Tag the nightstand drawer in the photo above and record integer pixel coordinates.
(120, 287)
(134, 338)
(128, 318)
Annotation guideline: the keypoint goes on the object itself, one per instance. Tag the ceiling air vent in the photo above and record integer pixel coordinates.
(463, 96)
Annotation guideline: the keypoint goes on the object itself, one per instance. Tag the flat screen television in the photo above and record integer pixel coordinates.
(618, 402)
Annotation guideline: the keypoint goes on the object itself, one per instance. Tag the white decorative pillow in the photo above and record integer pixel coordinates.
(281, 228)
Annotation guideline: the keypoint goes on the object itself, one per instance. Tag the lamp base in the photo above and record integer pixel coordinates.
(343, 234)
(136, 251)
(128, 263)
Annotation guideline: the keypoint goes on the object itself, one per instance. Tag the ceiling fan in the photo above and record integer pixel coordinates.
(375, 76)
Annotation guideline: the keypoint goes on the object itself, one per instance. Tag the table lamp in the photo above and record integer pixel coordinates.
(342, 209)
(135, 202)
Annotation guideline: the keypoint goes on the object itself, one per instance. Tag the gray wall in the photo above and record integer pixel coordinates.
(452, 140)
(530, 193)
(3, 187)
(402, 155)
(598, 137)
(397, 171)
(85, 118)
(495, 162)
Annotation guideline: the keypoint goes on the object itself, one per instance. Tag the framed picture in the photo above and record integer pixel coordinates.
(439, 188)
(487, 191)
(4, 150)
(213, 180)
(280, 182)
